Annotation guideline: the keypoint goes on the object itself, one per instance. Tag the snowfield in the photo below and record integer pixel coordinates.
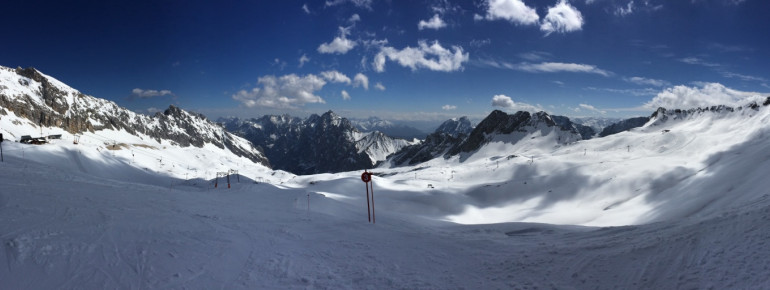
(679, 204)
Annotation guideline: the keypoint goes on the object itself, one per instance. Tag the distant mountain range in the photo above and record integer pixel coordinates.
(388, 128)
(318, 144)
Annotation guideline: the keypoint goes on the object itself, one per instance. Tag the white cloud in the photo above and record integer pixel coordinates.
(743, 77)
(514, 11)
(379, 86)
(647, 82)
(361, 80)
(591, 108)
(354, 18)
(279, 63)
(285, 92)
(633, 92)
(433, 57)
(535, 55)
(335, 77)
(448, 107)
(303, 59)
(562, 18)
(433, 23)
(146, 94)
(623, 11)
(555, 67)
(340, 44)
(345, 95)
(505, 102)
(480, 42)
(304, 8)
(358, 3)
(708, 94)
(698, 61)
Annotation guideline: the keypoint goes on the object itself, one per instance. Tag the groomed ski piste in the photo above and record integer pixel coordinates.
(677, 204)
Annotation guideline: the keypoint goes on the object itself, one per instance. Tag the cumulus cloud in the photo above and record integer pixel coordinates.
(707, 94)
(434, 23)
(335, 77)
(146, 94)
(505, 102)
(379, 86)
(345, 95)
(354, 18)
(448, 107)
(433, 57)
(514, 11)
(562, 18)
(285, 92)
(361, 80)
(647, 82)
(340, 45)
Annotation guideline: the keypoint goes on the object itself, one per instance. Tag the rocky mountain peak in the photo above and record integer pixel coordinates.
(456, 126)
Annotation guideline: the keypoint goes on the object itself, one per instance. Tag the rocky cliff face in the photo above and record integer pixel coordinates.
(623, 126)
(586, 132)
(45, 101)
(319, 144)
(456, 127)
(500, 123)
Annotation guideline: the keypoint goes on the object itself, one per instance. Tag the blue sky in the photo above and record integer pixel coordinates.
(397, 59)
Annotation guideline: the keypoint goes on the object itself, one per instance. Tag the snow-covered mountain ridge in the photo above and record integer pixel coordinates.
(455, 138)
(30, 100)
(318, 144)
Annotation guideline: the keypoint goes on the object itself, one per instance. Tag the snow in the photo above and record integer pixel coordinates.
(678, 203)
(73, 229)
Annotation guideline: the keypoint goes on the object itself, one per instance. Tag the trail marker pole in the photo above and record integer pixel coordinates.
(366, 177)
(1, 147)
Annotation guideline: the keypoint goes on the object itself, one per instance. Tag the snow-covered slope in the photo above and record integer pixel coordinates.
(38, 105)
(62, 227)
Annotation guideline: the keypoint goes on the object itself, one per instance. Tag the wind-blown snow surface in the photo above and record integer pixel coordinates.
(689, 209)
